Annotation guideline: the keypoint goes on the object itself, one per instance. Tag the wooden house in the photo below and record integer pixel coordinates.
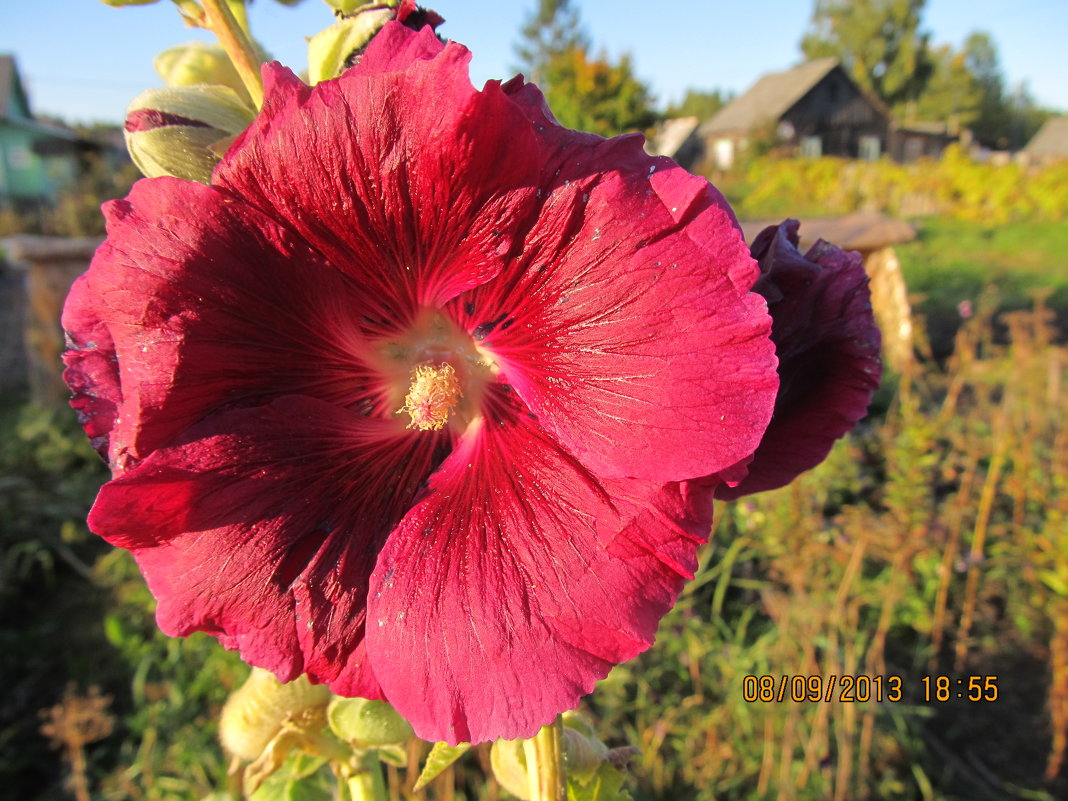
(813, 110)
(1049, 144)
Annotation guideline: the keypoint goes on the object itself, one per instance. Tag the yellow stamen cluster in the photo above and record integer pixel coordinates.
(433, 394)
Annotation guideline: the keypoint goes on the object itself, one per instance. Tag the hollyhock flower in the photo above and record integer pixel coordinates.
(416, 397)
(828, 347)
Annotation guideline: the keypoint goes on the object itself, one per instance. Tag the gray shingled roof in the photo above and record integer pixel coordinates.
(7, 82)
(1051, 139)
(769, 98)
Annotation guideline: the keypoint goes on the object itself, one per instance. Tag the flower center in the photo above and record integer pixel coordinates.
(432, 395)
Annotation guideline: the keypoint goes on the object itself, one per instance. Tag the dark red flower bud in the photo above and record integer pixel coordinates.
(828, 347)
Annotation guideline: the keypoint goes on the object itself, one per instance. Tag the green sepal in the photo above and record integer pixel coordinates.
(396, 755)
(330, 49)
(367, 724)
(441, 756)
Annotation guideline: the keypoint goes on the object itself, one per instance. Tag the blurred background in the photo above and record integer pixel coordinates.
(932, 546)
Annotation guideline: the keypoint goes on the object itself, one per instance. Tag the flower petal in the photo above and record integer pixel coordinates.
(399, 172)
(626, 323)
(828, 346)
(520, 580)
(212, 305)
(262, 527)
(92, 367)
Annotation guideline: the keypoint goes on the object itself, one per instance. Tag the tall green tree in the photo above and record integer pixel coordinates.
(994, 124)
(879, 42)
(552, 28)
(698, 103)
(953, 94)
(597, 95)
(586, 93)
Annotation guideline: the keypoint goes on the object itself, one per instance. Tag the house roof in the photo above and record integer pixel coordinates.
(1051, 139)
(671, 135)
(11, 86)
(8, 77)
(769, 98)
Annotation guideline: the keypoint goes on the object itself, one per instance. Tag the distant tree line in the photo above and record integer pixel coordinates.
(881, 43)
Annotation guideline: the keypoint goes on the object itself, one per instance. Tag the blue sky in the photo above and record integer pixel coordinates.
(85, 61)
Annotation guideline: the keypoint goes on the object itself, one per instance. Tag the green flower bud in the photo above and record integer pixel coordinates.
(180, 131)
(366, 723)
(509, 764)
(583, 755)
(255, 713)
(332, 51)
(198, 63)
(346, 7)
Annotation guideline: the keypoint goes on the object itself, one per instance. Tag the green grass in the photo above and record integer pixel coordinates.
(953, 260)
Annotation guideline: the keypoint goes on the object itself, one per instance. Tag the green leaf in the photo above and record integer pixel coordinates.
(1055, 581)
(440, 757)
(605, 785)
(301, 778)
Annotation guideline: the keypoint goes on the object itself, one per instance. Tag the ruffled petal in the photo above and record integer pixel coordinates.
(828, 346)
(626, 323)
(211, 305)
(92, 367)
(399, 172)
(520, 580)
(262, 527)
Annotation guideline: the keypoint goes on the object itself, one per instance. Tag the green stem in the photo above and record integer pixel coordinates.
(545, 764)
(240, 12)
(367, 783)
(238, 46)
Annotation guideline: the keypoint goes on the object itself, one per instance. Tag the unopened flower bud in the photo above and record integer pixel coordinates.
(334, 50)
(367, 723)
(196, 63)
(257, 710)
(583, 751)
(183, 131)
(346, 7)
(509, 764)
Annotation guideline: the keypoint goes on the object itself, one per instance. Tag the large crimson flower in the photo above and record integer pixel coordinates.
(417, 397)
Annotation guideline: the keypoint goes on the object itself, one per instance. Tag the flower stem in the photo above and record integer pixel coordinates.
(545, 764)
(367, 783)
(238, 46)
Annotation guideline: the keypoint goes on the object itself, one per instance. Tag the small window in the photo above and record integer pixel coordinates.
(811, 147)
(723, 151)
(869, 148)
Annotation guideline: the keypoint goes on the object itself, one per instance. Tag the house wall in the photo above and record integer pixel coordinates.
(837, 113)
(23, 174)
